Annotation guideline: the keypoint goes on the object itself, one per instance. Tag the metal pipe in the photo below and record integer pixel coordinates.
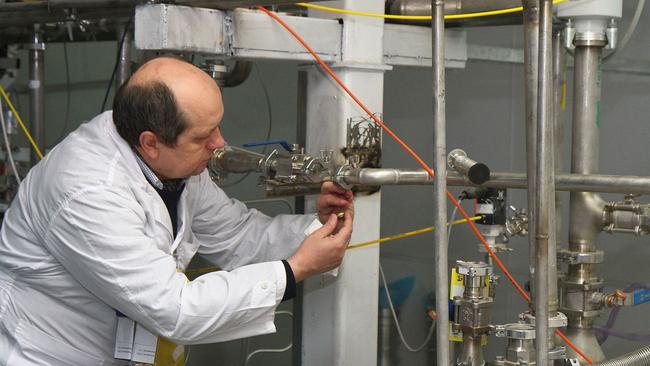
(423, 7)
(37, 91)
(440, 186)
(545, 185)
(559, 74)
(531, 45)
(585, 208)
(563, 182)
(640, 357)
(124, 66)
(84, 4)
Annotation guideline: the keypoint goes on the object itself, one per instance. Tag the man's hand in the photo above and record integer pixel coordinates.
(323, 250)
(333, 200)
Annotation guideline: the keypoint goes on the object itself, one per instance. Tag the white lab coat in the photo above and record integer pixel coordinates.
(87, 234)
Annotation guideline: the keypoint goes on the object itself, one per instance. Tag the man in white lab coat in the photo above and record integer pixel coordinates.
(111, 218)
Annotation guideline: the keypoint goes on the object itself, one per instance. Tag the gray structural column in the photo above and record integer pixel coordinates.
(340, 312)
(440, 183)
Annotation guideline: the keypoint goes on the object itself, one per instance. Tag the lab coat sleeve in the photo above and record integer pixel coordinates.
(231, 235)
(99, 237)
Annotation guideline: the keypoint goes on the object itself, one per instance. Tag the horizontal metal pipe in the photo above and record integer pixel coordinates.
(84, 4)
(563, 182)
(423, 7)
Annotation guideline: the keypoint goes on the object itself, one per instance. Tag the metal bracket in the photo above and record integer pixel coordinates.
(580, 258)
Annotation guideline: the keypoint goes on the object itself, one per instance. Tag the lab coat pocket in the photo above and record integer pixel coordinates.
(35, 347)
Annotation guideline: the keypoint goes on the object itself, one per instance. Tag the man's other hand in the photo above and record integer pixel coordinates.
(333, 199)
(323, 250)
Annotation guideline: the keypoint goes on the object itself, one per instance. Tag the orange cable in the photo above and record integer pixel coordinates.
(423, 164)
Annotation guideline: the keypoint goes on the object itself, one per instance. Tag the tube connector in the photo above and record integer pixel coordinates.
(478, 173)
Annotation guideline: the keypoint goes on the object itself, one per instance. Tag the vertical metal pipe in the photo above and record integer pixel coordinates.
(37, 91)
(545, 178)
(124, 66)
(559, 81)
(585, 208)
(531, 44)
(440, 186)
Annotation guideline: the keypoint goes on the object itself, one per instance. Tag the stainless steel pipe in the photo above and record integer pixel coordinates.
(545, 186)
(585, 208)
(37, 91)
(563, 182)
(440, 187)
(423, 7)
(531, 49)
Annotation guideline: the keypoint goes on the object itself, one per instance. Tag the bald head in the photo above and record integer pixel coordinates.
(165, 96)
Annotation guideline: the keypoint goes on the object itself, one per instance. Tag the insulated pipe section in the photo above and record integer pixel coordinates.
(640, 357)
(477, 173)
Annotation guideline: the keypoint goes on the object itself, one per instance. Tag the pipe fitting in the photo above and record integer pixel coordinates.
(478, 173)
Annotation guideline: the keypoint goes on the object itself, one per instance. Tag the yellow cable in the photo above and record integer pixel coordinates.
(194, 273)
(407, 234)
(20, 121)
(419, 17)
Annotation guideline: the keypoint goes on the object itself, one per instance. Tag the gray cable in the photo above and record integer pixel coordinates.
(271, 350)
(630, 30)
(6, 139)
(399, 328)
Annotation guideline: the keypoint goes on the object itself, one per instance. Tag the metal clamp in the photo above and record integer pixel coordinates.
(473, 268)
(571, 257)
(558, 353)
(559, 320)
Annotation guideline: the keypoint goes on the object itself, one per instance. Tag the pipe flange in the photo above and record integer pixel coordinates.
(572, 257)
(339, 177)
(519, 331)
(594, 39)
(473, 269)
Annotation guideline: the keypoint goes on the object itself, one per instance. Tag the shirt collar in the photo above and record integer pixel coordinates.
(148, 173)
(171, 185)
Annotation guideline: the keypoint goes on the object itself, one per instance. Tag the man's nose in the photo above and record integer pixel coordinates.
(217, 142)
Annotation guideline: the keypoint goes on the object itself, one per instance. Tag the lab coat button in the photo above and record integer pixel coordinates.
(264, 285)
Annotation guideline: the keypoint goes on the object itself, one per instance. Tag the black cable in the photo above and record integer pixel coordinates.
(117, 64)
(267, 98)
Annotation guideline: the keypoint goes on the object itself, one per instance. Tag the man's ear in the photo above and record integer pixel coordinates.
(149, 145)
